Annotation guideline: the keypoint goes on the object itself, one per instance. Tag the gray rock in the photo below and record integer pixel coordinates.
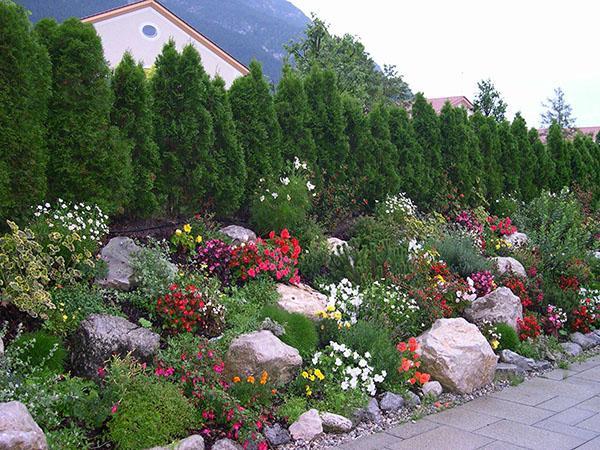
(499, 306)
(277, 435)
(18, 430)
(334, 423)
(594, 337)
(505, 371)
(336, 246)
(251, 353)
(100, 336)
(308, 426)
(1, 347)
(510, 357)
(272, 326)
(571, 348)
(432, 388)
(301, 299)
(582, 340)
(240, 235)
(542, 365)
(226, 444)
(117, 255)
(194, 442)
(391, 402)
(517, 239)
(412, 399)
(372, 412)
(508, 264)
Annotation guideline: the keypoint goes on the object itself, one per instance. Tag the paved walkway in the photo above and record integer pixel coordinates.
(560, 410)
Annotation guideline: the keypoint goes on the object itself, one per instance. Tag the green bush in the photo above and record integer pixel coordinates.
(150, 413)
(292, 408)
(345, 403)
(509, 339)
(71, 437)
(314, 259)
(42, 350)
(461, 254)
(300, 331)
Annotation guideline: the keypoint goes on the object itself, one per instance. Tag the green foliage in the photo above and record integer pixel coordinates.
(227, 190)
(41, 350)
(131, 113)
(558, 110)
(300, 331)
(89, 159)
(150, 413)
(292, 408)
(153, 272)
(488, 101)
(70, 437)
(461, 254)
(545, 166)
(526, 157)
(314, 258)
(183, 127)
(344, 403)
(486, 130)
(558, 150)
(24, 92)
(256, 122)
(509, 339)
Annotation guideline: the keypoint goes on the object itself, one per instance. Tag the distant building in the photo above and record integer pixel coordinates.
(593, 132)
(145, 26)
(461, 100)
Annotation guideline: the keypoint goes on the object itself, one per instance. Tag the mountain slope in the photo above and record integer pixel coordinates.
(245, 28)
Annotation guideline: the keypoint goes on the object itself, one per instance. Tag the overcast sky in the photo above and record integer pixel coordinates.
(527, 47)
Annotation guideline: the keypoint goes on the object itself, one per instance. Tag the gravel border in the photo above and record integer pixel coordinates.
(413, 413)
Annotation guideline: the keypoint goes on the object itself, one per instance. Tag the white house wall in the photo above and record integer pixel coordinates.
(124, 32)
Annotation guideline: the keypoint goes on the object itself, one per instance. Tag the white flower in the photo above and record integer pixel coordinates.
(368, 355)
(285, 181)
(262, 198)
(309, 186)
(344, 386)
(289, 198)
(275, 195)
(47, 205)
(338, 362)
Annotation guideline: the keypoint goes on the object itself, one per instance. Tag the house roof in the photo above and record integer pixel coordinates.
(169, 15)
(589, 131)
(459, 100)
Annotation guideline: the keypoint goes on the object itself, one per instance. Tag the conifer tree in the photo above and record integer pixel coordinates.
(327, 124)
(544, 171)
(385, 152)
(583, 164)
(486, 129)
(230, 166)
(88, 158)
(184, 129)
(509, 161)
(525, 159)
(293, 116)
(414, 176)
(559, 153)
(24, 90)
(256, 122)
(132, 115)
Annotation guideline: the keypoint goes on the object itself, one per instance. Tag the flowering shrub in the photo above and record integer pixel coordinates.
(531, 297)
(213, 257)
(251, 390)
(190, 310)
(528, 327)
(502, 227)
(313, 379)
(276, 256)
(483, 282)
(397, 207)
(586, 314)
(347, 369)
(343, 303)
(410, 363)
(468, 220)
(186, 239)
(568, 283)
(554, 320)
(491, 332)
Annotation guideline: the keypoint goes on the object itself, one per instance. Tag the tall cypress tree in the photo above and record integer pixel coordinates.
(183, 127)
(486, 129)
(544, 170)
(230, 168)
(256, 122)
(132, 114)
(414, 176)
(559, 153)
(293, 116)
(583, 164)
(24, 91)
(525, 158)
(385, 152)
(426, 124)
(327, 124)
(509, 160)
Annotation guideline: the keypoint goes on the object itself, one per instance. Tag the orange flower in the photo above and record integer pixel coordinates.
(406, 363)
(417, 364)
(412, 380)
(273, 391)
(401, 347)
(412, 344)
(250, 379)
(425, 377)
(264, 377)
(236, 379)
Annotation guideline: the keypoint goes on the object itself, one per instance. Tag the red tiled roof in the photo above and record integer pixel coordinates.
(460, 100)
(590, 131)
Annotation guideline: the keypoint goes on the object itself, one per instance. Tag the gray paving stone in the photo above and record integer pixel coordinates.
(562, 428)
(501, 445)
(373, 442)
(463, 418)
(593, 423)
(572, 416)
(594, 444)
(410, 429)
(528, 436)
(443, 437)
(585, 365)
(593, 404)
(572, 386)
(559, 374)
(559, 403)
(508, 410)
(525, 394)
(589, 374)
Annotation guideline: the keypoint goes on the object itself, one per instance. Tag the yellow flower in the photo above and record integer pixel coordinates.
(198, 239)
(250, 379)
(347, 324)
(337, 315)
(495, 344)
(305, 374)
(330, 308)
(497, 246)
(65, 317)
(319, 374)
(312, 378)
(308, 391)
(177, 231)
(187, 228)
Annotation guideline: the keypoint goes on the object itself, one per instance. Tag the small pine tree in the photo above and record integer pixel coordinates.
(544, 168)
(486, 129)
(230, 167)
(509, 160)
(131, 113)
(24, 90)
(293, 116)
(526, 160)
(89, 159)
(256, 122)
(385, 152)
(559, 153)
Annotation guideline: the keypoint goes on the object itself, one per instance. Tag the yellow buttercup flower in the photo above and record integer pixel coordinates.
(337, 315)
(187, 228)
(198, 239)
(65, 317)
(305, 374)
(330, 308)
(495, 344)
(177, 231)
(319, 374)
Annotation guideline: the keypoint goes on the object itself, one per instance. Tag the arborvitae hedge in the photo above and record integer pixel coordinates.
(486, 130)
(525, 159)
(545, 166)
(559, 153)
(132, 114)
(24, 90)
(509, 161)
(385, 152)
(88, 158)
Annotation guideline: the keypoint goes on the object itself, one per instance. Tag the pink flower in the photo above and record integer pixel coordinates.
(101, 372)
(114, 408)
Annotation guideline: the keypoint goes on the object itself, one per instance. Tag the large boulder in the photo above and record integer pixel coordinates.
(391, 402)
(18, 430)
(308, 426)
(253, 353)
(585, 342)
(240, 235)
(457, 355)
(276, 434)
(100, 336)
(334, 423)
(508, 264)
(194, 442)
(301, 299)
(500, 305)
(117, 255)
(517, 239)
(226, 444)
